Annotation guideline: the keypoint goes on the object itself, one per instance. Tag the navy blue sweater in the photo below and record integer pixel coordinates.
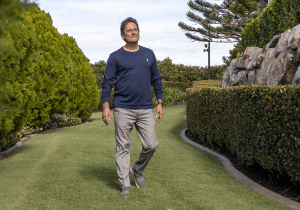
(133, 72)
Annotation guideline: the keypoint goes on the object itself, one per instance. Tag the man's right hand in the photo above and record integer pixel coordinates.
(106, 113)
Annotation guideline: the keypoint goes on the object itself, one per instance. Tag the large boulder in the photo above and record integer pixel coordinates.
(282, 44)
(283, 69)
(250, 78)
(229, 75)
(265, 67)
(275, 64)
(250, 57)
(296, 79)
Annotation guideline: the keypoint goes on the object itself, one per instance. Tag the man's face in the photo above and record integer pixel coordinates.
(131, 33)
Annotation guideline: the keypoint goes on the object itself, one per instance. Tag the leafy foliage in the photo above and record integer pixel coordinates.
(188, 74)
(84, 95)
(18, 56)
(59, 121)
(276, 18)
(232, 15)
(56, 121)
(52, 82)
(171, 96)
(42, 73)
(258, 123)
(98, 70)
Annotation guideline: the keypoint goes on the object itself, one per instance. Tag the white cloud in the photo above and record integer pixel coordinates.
(96, 27)
(119, 7)
(63, 11)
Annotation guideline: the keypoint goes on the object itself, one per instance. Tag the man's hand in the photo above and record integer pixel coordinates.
(106, 113)
(159, 110)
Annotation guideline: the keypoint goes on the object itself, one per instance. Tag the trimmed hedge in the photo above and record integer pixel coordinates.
(258, 123)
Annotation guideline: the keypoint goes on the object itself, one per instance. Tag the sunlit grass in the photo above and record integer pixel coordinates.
(75, 168)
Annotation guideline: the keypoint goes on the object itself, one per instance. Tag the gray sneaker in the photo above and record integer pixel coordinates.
(140, 181)
(125, 192)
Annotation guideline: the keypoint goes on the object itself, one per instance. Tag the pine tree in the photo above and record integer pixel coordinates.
(233, 15)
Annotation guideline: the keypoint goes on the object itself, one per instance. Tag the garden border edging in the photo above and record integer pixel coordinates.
(22, 141)
(241, 177)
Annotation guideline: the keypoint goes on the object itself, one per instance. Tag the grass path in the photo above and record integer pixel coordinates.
(74, 168)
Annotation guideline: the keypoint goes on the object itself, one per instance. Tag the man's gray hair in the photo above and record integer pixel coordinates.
(126, 21)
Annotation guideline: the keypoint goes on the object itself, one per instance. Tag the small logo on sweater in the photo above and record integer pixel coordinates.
(147, 59)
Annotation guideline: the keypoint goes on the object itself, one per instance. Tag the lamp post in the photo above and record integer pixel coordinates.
(208, 50)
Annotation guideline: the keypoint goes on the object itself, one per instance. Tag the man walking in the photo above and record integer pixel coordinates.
(134, 69)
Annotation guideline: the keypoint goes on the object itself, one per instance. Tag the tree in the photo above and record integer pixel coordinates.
(233, 15)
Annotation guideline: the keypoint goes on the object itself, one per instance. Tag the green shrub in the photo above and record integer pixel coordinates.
(65, 83)
(240, 54)
(59, 121)
(18, 56)
(56, 121)
(14, 137)
(257, 123)
(171, 96)
(98, 70)
(84, 96)
(52, 83)
(42, 73)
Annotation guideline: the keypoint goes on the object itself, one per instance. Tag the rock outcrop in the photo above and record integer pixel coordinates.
(275, 64)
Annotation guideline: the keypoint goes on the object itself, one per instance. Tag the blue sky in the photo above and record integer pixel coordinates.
(95, 25)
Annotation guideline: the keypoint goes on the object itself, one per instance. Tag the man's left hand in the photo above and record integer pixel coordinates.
(159, 110)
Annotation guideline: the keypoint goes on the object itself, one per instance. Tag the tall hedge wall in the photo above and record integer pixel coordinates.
(52, 83)
(85, 95)
(41, 73)
(18, 57)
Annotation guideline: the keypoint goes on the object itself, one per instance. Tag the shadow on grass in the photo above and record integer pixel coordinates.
(104, 174)
(178, 128)
(17, 151)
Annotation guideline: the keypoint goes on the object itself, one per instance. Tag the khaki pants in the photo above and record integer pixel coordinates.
(144, 122)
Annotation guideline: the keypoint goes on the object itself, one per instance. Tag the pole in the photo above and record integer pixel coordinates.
(208, 60)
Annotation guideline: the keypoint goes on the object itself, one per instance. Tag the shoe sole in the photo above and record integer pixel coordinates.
(125, 196)
(131, 171)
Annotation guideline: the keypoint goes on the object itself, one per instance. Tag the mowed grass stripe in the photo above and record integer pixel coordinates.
(75, 168)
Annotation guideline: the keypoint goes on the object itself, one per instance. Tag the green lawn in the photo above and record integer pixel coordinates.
(75, 168)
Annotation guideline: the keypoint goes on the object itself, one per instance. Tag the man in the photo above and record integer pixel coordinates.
(134, 68)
